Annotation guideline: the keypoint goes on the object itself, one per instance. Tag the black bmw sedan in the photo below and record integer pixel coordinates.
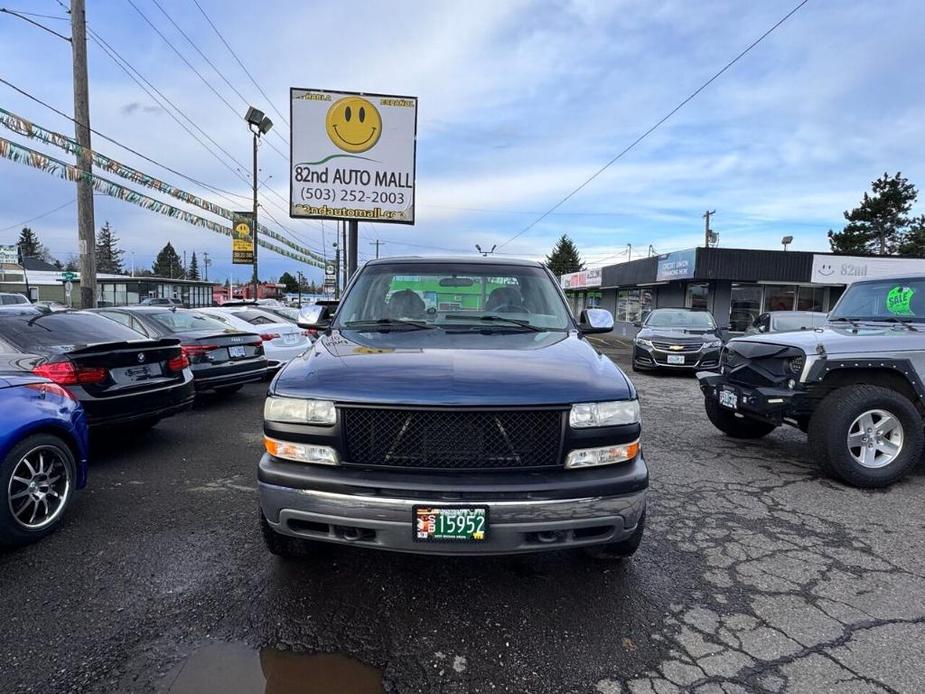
(221, 359)
(677, 338)
(119, 376)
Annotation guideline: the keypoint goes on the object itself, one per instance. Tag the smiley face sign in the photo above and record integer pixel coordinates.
(353, 124)
(353, 156)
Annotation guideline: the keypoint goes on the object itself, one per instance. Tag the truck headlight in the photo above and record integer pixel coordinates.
(607, 455)
(604, 414)
(797, 364)
(300, 452)
(299, 411)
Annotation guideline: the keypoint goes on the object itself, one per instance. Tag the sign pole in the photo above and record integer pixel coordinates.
(354, 232)
(254, 229)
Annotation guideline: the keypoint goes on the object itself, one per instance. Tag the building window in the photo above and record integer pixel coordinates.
(811, 299)
(628, 305)
(744, 307)
(779, 297)
(697, 296)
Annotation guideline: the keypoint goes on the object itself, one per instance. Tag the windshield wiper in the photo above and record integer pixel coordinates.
(500, 319)
(903, 321)
(388, 324)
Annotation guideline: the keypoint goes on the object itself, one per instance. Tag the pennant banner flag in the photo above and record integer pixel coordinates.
(23, 155)
(26, 128)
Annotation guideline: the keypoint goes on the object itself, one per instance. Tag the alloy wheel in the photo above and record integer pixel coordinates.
(39, 487)
(875, 438)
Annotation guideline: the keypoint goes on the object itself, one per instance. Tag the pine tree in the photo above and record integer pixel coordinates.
(914, 240)
(564, 257)
(192, 273)
(30, 246)
(880, 223)
(292, 284)
(72, 264)
(108, 253)
(167, 264)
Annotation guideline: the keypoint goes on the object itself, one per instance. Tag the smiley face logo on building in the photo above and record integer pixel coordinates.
(353, 124)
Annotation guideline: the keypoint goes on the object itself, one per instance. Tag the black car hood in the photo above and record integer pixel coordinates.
(678, 335)
(424, 368)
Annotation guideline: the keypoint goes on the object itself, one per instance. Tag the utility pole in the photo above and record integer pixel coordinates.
(343, 252)
(707, 232)
(254, 230)
(377, 243)
(354, 230)
(651, 251)
(86, 226)
(299, 286)
(629, 252)
(185, 269)
(206, 263)
(337, 274)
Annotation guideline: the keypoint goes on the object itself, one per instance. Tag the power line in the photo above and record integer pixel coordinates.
(21, 15)
(44, 214)
(235, 55)
(657, 124)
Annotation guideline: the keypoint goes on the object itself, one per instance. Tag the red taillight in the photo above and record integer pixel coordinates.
(65, 373)
(53, 388)
(269, 337)
(197, 350)
(178, 363)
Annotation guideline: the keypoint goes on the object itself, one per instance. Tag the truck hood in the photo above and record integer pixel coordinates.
(868, 337)
(432, 368)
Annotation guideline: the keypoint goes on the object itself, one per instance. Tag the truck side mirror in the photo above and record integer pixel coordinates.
(314, 317)
(595, 320)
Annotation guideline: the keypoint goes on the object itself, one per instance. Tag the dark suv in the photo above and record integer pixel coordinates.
(453, 406)
(855, 386)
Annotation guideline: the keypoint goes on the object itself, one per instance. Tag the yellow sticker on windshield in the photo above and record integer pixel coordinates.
(898, 301)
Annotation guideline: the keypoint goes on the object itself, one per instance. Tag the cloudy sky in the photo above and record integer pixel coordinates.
(519, 103)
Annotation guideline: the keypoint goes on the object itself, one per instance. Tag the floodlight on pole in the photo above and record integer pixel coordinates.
(786, 241)
(259, 124)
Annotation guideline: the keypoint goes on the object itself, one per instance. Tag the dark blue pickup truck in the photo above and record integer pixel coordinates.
(453, 406)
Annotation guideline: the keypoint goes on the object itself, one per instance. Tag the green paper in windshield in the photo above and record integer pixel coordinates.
(898, 300)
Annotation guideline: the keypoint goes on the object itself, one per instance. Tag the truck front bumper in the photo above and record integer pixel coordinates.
(528, 512)
(771, 404)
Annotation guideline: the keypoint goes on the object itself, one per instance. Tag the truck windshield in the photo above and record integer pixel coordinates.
(887, 300)
(453, 296)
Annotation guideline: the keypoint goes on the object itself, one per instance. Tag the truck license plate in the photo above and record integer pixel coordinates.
(455, 524)
(728, 398)
(675, 358)
(237, 351)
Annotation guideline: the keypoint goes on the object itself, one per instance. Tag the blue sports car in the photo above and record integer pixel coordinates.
(43, 453)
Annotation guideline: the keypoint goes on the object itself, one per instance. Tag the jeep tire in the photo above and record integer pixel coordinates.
(854, 415)
(737, 427)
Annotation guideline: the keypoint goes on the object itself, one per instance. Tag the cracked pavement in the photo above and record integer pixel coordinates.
(756, 574)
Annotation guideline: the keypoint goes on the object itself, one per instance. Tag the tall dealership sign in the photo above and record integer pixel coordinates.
(242, 238)
(352, 156)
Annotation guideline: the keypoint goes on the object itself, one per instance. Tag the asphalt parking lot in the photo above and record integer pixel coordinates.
(756, 574)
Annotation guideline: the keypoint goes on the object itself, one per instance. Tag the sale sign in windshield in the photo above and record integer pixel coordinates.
(353, 156)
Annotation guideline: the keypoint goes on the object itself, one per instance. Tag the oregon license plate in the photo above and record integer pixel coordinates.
(675, 358)
(290, 339)
(237, 351)
(453, 524)
(728, 398)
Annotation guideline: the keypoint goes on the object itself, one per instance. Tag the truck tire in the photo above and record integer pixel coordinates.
(284, 546)
(867, 436)
(736, 427)
(615, 551)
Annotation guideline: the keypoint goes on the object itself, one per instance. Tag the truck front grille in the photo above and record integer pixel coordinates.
(452, 439)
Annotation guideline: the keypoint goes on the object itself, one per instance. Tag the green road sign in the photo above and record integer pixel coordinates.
(68, 276)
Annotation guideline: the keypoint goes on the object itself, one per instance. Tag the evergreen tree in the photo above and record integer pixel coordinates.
(880, 223)
(167, 264)
(192, 273)
(564, 257)
(914, 240)
(108, 253)
(292, 284)
(72, 264)
(30, 246)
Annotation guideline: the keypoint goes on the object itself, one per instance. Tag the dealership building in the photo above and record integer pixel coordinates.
(734, 284)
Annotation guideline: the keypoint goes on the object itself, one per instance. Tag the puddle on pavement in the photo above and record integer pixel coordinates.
(233, 668)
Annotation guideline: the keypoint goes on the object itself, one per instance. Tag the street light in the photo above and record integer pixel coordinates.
(259, 125)
(786, 241)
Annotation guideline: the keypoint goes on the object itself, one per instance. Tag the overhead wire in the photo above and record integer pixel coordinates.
(40, 216)
(653, 128)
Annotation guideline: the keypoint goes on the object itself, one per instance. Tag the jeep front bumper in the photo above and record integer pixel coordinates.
(771, 404)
